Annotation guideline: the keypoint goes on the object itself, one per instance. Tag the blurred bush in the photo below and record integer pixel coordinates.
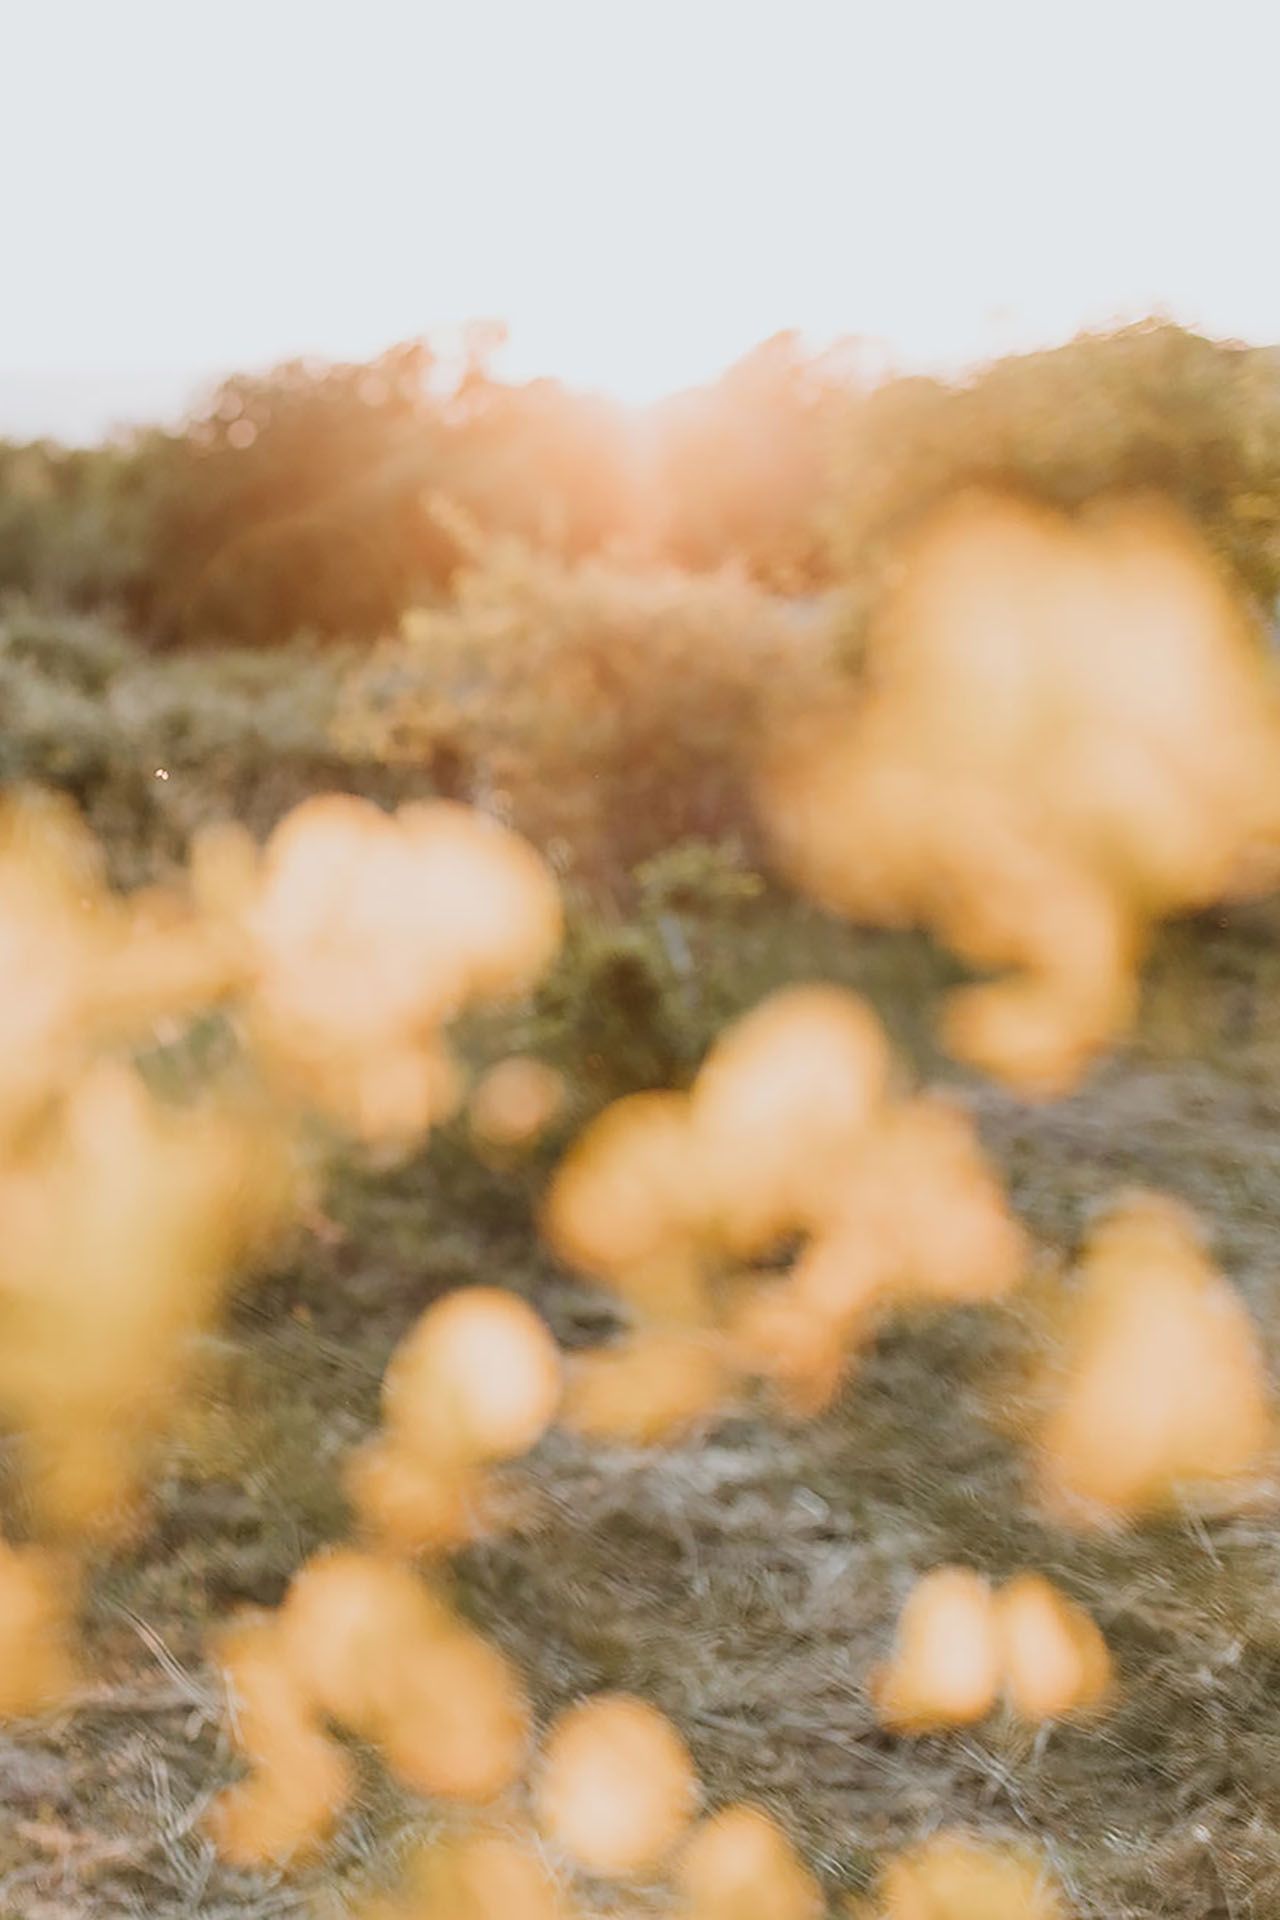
(605, 710)
(151, 749)
(302, 500)
(742, 468)
(1149, 407)
(305, 499)
(76, 524)
(297, 501)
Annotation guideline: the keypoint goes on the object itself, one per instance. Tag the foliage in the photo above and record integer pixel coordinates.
(865, 1499)
(308, 498)
(153, 749)
(538, 461)
(747, 1587)
(696, 874)
(1149, 407)
(304, 499)
(607, 711)
(300, 501)
(76, 524)
(742, 467)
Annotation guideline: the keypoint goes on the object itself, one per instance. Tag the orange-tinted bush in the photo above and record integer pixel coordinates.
(607, 711)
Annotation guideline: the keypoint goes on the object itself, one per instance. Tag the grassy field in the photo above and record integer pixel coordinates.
(747, 1583)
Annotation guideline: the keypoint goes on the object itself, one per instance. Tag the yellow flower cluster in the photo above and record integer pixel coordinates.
(362, 1645)
(1158, 1396)
(477, 1381)
(792, 1132)
(1069, 732)
(366, 932)
(959, 1645)
(758, 1227)
(342, 951)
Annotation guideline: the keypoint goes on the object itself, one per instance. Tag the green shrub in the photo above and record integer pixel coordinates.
(607, 712)
(1149, 407)
(151, 748)
(76, 523)
(305, 500)
(297, 502)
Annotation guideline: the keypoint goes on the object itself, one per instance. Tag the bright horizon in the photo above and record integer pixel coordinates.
(641, 192)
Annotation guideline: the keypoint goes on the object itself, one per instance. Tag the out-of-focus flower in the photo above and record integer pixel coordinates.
(932, 1201)
(946, 1665)
(739, 1865)
(492, 892)
(474, 1876)
(360, 1643)
(956, 1877)
(301, 1779)
(629, 1198)
(616, 1787)
(415, 1505)
(959, 1646)
(377, 1652)
(81, 967)
(126, 1219)
(461, 1730)
(1069, 732)
(514, 1102)
(478, 1380)
(57, 925)
(780, 1109)
(368, 931)
(803, 1350)
(650, 1388)
(1055, 1658)
(790, 1134)
(1161, 1393)
(347, 1620)
(36, 1666)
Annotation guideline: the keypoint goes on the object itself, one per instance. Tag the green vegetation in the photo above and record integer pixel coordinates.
(324, 499)
(543, 650)
(607, 711)
(1149, 408)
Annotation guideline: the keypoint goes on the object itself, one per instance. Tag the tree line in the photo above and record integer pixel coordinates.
(329, 498)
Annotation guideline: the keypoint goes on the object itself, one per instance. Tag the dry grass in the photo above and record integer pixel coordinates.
(746, 1585)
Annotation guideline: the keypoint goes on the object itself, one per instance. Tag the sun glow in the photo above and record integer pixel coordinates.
(642, 194)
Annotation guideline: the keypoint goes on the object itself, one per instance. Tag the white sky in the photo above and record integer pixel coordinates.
(641, 188)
